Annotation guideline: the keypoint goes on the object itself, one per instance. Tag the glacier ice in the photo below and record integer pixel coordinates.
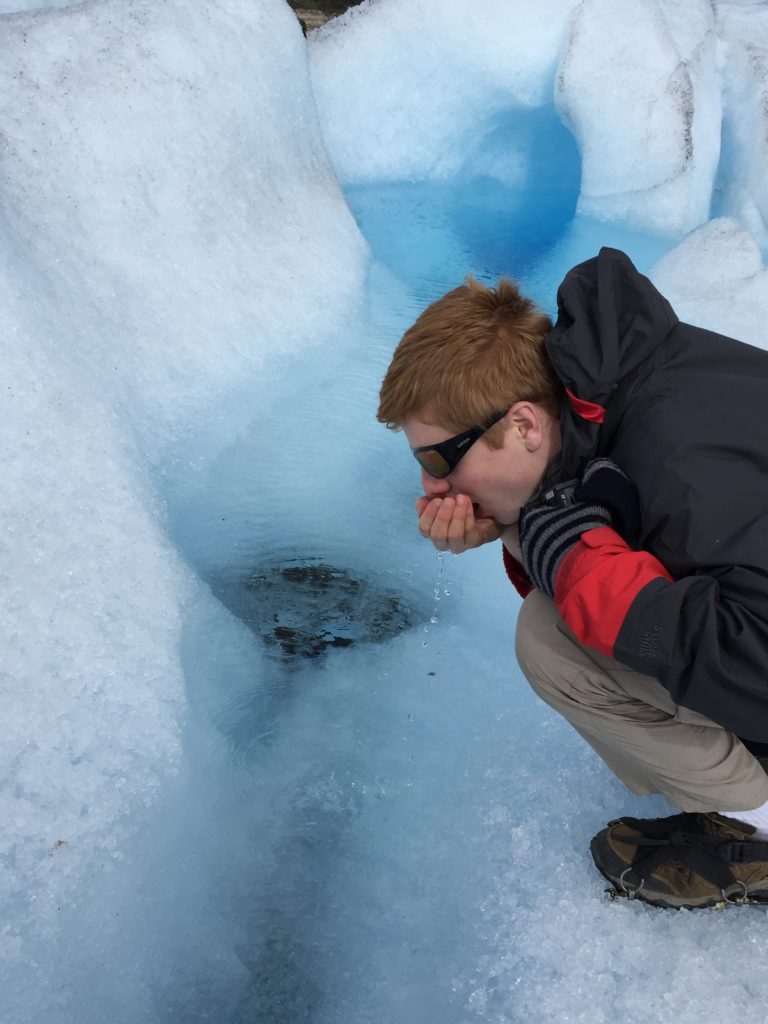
(727, 289)
(423, 81)
(15, 6)
(744, 57)
(193, 332)
(645, 107)
(155, 191)
(669, 118)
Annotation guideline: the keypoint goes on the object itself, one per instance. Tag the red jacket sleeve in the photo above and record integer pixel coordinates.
(704, 636)
(597, 583)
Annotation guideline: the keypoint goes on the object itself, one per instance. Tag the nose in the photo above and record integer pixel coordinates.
(433, 486)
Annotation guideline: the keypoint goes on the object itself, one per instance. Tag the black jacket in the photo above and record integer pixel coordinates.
(686, 418)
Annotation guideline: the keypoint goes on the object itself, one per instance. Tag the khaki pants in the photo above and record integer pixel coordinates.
(652, 744)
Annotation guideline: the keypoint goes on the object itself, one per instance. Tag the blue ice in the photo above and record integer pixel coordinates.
(266, 757)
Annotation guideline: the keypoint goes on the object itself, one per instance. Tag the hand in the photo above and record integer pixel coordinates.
(451, 525)
(605, 484)
(605, 497)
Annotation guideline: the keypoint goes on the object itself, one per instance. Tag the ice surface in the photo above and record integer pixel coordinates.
(744, 183)
(198, 824)
(669, 118)
(425, 83)
(715, 278)
(14, 6)
(165, 197)
(174, 267)
(646, 112)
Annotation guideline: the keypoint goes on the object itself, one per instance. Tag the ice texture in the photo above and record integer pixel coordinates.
(669, 117)
(14, 6)
(744, 56)
(715, 278)
(645, 107)
(406, 88)
(164, 198)
(159, 269)
(198, 823)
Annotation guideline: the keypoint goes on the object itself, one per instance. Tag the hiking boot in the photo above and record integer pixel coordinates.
(686, 860)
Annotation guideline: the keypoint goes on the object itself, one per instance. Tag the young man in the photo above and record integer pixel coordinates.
(622, 459)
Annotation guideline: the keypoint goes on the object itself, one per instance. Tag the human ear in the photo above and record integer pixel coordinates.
(527, 420)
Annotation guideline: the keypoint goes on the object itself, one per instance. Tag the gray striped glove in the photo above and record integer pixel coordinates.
(548, 533)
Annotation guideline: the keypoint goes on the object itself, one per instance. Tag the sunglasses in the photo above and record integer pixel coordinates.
(441, 459)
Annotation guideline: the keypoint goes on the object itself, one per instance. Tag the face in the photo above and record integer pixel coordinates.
(498, 481)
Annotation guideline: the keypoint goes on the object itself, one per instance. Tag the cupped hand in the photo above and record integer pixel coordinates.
(451, 525)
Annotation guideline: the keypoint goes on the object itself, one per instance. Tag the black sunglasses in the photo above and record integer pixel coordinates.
(441, 459)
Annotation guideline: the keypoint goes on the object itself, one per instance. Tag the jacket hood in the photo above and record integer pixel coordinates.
(610, 321)
(610, 318)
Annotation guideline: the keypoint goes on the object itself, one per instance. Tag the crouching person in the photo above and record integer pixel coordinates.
(620, 458)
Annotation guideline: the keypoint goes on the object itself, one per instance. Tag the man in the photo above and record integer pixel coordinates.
(622, 459)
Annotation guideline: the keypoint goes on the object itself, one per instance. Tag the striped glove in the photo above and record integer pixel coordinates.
(548, 533)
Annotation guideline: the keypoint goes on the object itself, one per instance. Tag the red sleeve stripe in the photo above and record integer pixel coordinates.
(516, 574)
(597, 583)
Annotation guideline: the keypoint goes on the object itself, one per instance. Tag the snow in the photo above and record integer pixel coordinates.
(198, 825)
